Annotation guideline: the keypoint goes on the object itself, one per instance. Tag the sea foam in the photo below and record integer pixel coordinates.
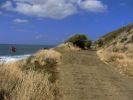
(6, 59)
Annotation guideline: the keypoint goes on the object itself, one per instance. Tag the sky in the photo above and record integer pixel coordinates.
(53, 21)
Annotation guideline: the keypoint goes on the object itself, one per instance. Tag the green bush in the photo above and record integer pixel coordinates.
(99, 43)
(88, 44)
(80, 40)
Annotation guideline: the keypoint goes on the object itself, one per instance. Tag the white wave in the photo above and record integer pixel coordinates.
(6, 59)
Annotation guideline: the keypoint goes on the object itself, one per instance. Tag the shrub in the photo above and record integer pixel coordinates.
(123, 39)
(50, 62)
(77, 37)
(88, 44)
(42, 60)
(79, 40)
(99, 43)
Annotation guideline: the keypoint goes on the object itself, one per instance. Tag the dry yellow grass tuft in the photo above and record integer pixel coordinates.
(44, 54)
(69, 46)
(18, 84)
(121, 58)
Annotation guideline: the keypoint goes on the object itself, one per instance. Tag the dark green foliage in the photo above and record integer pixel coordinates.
(77, 37)
(99, 43)
(88, 44)
(80, 44)
(80, 40)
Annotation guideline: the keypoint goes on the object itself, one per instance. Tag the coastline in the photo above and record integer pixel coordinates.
(8, 59)
(22, 51)
(34, 77)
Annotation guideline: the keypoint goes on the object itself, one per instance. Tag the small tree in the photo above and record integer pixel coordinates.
(99, 43)
(88, 44)
(80, 40)
(77, 37)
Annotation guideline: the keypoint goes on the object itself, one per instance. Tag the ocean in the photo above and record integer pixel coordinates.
(22, 51)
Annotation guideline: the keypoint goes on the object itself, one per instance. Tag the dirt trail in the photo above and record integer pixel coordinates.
(85, 77)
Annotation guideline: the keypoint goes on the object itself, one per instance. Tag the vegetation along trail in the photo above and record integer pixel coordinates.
(85, 77)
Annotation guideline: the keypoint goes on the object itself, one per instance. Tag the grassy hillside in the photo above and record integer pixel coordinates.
(121, 33)
(34, 78)
(117, 49)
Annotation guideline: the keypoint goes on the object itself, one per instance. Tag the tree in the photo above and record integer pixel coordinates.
(88, 44)
(80, 40)
(99, 43)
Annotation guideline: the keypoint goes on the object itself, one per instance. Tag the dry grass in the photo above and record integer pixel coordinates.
(121, 58)
(42, 58)
(18, 84)
(52, 54)
(109, 56)
(69, 46)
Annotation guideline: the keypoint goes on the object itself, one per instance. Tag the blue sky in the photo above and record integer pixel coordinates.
(53, 21)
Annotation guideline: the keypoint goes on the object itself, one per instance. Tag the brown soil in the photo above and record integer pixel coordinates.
(84, 77)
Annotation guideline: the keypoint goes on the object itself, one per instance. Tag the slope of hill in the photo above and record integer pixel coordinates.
(117, 49)
(124, 34)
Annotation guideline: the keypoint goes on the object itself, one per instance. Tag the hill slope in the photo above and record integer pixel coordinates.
(122, 35)
(117, 49)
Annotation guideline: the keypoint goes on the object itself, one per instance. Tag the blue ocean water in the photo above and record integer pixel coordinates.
(22, 51)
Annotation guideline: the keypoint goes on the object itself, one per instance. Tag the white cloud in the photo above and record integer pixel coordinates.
(56, 9)
(21, 20)
(93, 5)
(52, 10)
(8, 5)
